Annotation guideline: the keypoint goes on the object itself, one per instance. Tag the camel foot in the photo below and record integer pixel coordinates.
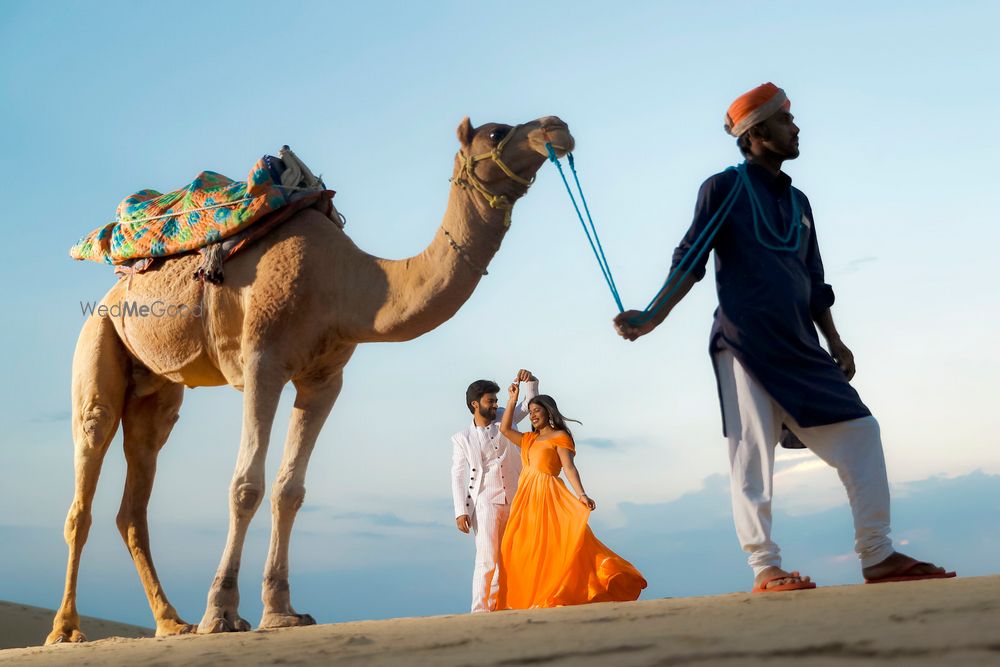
(275, 620)
(174, 626)
(65, 636)
(217, 621)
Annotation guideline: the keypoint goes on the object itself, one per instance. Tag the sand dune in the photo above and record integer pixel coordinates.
(21, 625)
(951, 622)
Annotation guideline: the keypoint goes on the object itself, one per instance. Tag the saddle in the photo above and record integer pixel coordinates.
(213, 215)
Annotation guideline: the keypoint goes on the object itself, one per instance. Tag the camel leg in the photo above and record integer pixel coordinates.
(147, 422)
(262, 390)
(100, 376)
(313, 403)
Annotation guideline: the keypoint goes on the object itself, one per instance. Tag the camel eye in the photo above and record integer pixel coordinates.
(497, 135)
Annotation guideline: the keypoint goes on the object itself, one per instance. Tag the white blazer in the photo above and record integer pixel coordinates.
(467, 464)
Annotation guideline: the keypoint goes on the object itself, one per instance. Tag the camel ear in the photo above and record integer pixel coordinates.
(465, 132)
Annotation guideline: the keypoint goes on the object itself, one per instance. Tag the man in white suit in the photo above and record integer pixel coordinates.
(484, 471)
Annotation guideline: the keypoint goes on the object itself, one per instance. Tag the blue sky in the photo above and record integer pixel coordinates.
(103, 99)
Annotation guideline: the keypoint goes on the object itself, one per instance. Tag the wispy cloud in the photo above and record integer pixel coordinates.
(849, 557)
(384, 564)
(801, 467)
(600, 443)
(52, 417)
(856, 265)
(791, 459)
(794, 455)
(368, 534)
(696, 530)
(384, 520)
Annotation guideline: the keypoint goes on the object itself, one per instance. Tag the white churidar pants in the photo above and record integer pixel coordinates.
(488, 523)
(853, 448)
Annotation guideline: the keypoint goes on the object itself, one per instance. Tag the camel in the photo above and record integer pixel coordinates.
(293, 308)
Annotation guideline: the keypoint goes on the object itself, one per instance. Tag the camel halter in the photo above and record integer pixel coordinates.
(466, 177)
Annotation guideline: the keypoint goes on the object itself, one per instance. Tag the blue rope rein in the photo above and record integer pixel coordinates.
(782, 242)
(598, 249)
(702, 244)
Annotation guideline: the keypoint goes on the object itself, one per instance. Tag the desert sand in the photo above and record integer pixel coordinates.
(946, 622)
(22, 625)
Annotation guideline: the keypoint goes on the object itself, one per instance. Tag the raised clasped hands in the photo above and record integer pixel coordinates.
(515, 387)
(514, 391)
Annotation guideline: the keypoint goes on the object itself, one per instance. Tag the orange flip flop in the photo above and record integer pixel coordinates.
(901, 575)
(797, 586)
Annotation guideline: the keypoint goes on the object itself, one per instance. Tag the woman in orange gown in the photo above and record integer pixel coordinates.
(549, 557)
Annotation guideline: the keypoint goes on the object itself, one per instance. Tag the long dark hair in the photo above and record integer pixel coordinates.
(556, 419)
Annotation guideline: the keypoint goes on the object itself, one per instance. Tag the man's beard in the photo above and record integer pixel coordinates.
(488, 413)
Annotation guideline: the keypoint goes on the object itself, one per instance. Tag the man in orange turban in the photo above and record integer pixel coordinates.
(770, 368)
(755, 107)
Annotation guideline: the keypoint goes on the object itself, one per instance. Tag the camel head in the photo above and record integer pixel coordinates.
(500, 161)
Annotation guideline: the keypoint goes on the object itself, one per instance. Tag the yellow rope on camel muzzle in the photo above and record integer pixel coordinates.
(466, 176)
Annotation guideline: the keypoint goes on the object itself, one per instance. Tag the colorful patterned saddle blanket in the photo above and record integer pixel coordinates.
(208, 210)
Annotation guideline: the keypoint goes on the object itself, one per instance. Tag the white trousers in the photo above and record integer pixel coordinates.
(488, 523)
(853, 448)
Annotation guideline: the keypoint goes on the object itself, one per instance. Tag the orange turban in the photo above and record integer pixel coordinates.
(755, 106)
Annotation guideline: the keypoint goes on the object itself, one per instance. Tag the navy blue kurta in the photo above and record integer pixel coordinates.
(768, 299)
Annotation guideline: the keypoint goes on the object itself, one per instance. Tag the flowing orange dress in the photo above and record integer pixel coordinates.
(549, 557)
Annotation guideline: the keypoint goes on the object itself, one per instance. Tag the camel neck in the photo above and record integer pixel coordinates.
(425, 290)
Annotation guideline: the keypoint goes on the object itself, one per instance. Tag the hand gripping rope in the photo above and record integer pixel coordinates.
(766, 233)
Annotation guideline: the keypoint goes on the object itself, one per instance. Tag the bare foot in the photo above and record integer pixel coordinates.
(784, 578)
(899, 564)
